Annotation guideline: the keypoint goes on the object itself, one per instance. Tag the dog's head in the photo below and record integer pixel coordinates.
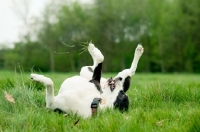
(115, 89)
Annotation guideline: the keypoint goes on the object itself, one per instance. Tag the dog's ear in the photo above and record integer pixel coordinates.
(127, 83)
(122, 101)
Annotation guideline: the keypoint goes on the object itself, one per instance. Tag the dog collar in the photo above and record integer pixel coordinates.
(94, 106)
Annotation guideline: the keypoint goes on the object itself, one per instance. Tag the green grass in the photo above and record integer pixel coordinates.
(158, 103)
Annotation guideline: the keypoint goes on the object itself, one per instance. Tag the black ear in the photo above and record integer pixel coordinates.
(121, 102)
(127, 83)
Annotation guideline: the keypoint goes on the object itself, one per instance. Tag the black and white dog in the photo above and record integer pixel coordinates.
(81, 94)
(121, 102)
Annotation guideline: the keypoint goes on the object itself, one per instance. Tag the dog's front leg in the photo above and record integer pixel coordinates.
(138, 53)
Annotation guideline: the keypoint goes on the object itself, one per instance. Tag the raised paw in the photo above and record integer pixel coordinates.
(95, 53)
(36, 77)
(139, 50)
(41, 78)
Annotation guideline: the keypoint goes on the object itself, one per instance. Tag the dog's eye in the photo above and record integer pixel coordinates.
(118, 79)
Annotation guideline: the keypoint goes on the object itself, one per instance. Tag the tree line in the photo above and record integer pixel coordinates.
(169, 31)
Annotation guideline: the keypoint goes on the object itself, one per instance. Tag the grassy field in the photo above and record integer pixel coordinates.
(158, 103)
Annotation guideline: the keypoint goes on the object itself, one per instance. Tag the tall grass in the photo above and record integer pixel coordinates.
(158, 103)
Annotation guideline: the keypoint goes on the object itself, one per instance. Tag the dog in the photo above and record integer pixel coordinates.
(122, 101)
(83, 94)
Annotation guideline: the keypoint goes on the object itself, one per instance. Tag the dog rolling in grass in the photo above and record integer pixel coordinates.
(83, 94)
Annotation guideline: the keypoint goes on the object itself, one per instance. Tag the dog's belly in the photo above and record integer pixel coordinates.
(76, 95)
(75, 82)
(76, 101)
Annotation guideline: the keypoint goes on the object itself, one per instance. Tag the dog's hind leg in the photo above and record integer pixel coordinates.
(98, 58)
(88, 71)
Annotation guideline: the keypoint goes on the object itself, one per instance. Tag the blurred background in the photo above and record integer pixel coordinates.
(33, 32)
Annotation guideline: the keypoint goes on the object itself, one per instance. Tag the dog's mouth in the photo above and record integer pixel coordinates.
(111, 83)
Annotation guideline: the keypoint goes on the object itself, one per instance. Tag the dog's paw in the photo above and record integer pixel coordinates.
(95, 53)
(98, 55)
(41, 78)
(139, 50)
(36, 77)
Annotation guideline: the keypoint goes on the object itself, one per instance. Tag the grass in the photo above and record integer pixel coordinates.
(158, 103)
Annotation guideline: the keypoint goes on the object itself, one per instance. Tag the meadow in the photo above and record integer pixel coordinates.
(158, 103)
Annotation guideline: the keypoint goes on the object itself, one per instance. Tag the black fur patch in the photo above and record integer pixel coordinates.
(127, 83)
(122, 101)
(97, 76)
(59, 111)
(90, 69)
(97, 84)
(97, 73)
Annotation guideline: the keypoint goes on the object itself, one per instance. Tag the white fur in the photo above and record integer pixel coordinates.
(96, 56)
(77, 93)
(125, 73)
